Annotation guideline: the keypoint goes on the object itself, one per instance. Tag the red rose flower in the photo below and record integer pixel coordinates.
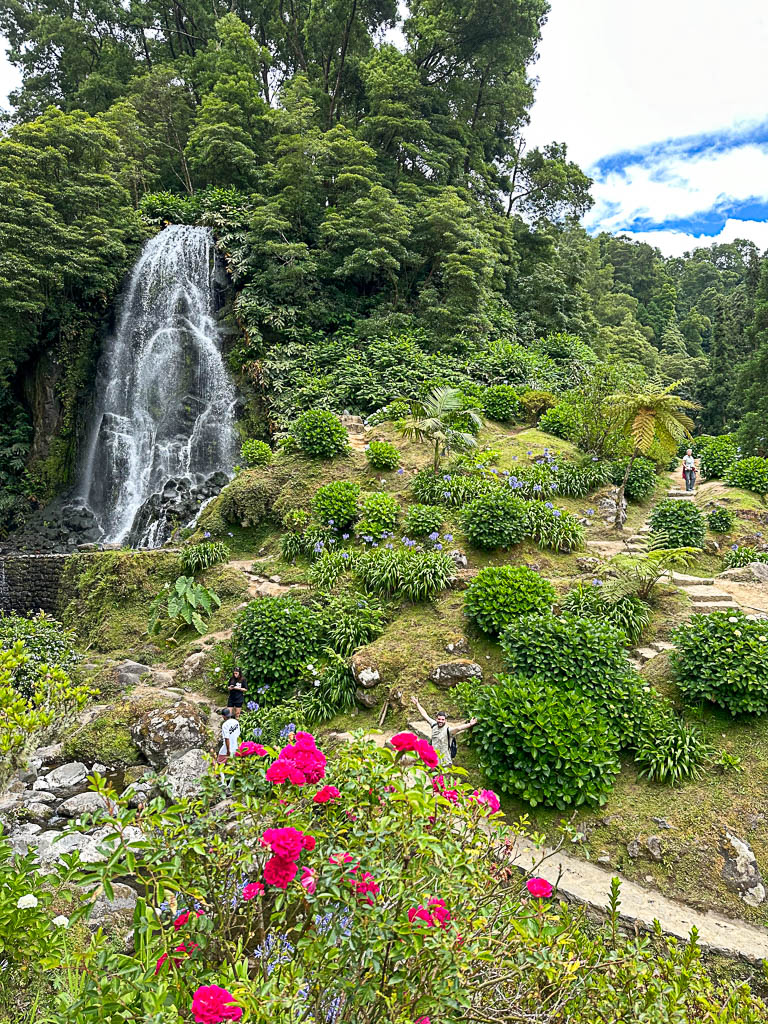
(252, 890)
(539, 887)
(212, 1004)
(248, 749)
(434, 915)
(322, 796)
(280, 872)
(184, 917)
(183, 948)
(284, 842)
(404, 741)
(427, 753)
(487, 798)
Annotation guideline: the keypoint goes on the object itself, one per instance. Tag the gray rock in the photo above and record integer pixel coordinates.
(365, 672)
(633, 848)
(740, 871)
(184, 774)
(83, 803)
(38, 813)
(661, 822)
(604, 859)
(755, 572)
(451, 673)
(367, 698)
(193, 666)
(64, 781)
(100, 768)
(117, 911)
(653, 846)
(42, 796)
(163, 734)
(460, 646)
(459, 558)
(128, 673)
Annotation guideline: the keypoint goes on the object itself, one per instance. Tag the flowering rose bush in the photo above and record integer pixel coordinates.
(372, 907)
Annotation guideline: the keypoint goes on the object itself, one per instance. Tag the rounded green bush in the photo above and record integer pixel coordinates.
(320, 434)
(421, 520)
(499, 593)
(562, 420)
(538, 747)
(379, 514)
(536, 403)
(553, 528)
(501, 402)
(721, 520)
(382, 455)
(335, 504)
(717, 455)
(681, 522)
(495, 520)
(572, 652)
(629, 614)
(641, 482)
(723, 658)
(255, 453)
(744, 554)
(274, 639)
(751, 474)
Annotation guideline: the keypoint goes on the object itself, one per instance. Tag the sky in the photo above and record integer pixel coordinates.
(664, 104)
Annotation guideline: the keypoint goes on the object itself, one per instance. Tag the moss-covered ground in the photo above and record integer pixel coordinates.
(111, 596)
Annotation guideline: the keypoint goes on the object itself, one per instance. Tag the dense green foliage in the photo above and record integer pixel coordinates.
(723, 658)
(743, 554)
(196, 557)
(562, 420)
(421, 520)
(717, 455)
(379, 514)
(335, 504)
(667, 749)
(495, 520)
(45, 642)
(499, 593)
(275, 638)
(183, 603)
(751, 474)
(680, 522)
(413, 575)
(320, 434)
(501, 402)
(536, 746)
(721, 520)
(641, 481)
(382, 455)
(255, 452)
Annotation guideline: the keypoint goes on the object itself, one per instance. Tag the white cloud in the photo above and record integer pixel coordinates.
(9, 77)
(675, 243)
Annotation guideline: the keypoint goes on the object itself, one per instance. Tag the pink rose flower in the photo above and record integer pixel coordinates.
(422, 1020)
(539, 887)
(184, 917)
(249, 749)
(176, 961)
(287, 842)
(427, 753)
(322, 796)
(280, 872)
(212, 1004)
(308, 880)
(487, 798)
(434, 915)
(252, 890)
(404, 741)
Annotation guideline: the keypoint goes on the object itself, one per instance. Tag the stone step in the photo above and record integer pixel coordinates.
(636, 664)
(645, 653)
(686, 495)
(645, 529)
(681, 579)
(704, 607)
(707, 593)
(661, 645)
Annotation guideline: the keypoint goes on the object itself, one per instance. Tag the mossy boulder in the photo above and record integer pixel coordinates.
(107, 739)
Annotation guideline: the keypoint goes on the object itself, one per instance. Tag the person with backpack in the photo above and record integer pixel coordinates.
(443, 738)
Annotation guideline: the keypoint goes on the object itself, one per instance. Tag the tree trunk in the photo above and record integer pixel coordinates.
(620, 492)
(436, 463)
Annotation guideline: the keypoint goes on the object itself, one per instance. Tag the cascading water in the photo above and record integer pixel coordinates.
(164, 418)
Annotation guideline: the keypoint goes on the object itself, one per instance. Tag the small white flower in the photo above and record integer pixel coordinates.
(733, 619)
(737, 632)
(61, 921)
(26, 902)
(217, 669)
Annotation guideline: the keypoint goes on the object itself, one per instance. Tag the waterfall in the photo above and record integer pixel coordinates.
(164, 414)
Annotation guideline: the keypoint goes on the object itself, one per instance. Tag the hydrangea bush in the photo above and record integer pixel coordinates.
(500, 593)
(680, 522)
(320, 434)
(751, 474)
(256, 453)
(335, 504)
(495, 520)
(717, 455)
(721, 520)
(382, 455)
(46, 642)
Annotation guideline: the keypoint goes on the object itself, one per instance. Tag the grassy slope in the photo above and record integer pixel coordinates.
(416, 639)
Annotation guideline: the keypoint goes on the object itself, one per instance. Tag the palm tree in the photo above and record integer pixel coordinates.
(436, 421)
(653, 415)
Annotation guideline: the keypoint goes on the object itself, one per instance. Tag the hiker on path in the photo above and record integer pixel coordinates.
(689, 470)
(230, 735)
(441, 734)
(237, 690)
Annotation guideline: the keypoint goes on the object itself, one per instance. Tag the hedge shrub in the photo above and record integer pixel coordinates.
(722, 657)
(320, 434)
(641, 482)
(495, 520)
(379, 514)
(751, 474)
(681, 522)
(721, 520)
(717, 455)
(501, 402)
(500, 593)
(536, 403)
(382, 455)
(256, 453)
(538, 747)
(274, 639)
(562, 420)
(572, 652)
(335, 504)
(421, 520)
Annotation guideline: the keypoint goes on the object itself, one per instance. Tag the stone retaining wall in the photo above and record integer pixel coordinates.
(29, 583)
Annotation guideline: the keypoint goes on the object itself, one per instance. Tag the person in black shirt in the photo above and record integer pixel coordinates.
(236, 692)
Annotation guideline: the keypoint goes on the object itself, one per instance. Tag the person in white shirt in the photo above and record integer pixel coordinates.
(689, 470)
(230, 735)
